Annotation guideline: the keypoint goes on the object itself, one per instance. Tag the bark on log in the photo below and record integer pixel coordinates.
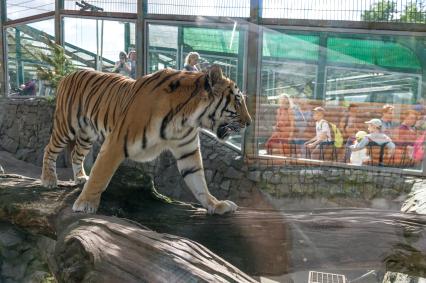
(259, 241)
(96, 248)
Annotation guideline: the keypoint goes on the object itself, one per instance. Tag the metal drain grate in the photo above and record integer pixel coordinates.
(322, 277)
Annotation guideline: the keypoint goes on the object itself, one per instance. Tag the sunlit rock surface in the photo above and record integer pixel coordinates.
(416, 201)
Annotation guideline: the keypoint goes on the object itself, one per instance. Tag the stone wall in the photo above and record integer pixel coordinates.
(256, 185)
(25, 127)
(21, 259)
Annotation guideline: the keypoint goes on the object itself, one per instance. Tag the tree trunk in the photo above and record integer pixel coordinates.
(97, 248)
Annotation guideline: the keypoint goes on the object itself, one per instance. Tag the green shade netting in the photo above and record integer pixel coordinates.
(370, 52)
(214, 40)
(290, 46)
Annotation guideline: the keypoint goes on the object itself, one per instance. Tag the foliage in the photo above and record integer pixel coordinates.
(56, 64)
(386, 10)
(383, 10)
(414, 13)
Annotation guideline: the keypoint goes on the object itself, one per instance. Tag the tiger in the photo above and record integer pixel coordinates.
(139, 119)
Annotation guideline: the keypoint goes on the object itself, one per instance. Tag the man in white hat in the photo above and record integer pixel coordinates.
(375, 135)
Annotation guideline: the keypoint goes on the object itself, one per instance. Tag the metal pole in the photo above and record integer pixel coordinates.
(97, 45)
(4, 87)
(249, 146)
(141, 53)
(179, 51)
(101, 54)
(59, 5)
(19, 64)
(127, 37)
(322, 62)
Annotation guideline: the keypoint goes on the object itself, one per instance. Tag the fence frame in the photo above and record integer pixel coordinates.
(252, 58)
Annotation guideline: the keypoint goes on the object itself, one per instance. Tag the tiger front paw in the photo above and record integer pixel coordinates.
(49, 180)
(222, 207)
(81, 179)
(83, 204)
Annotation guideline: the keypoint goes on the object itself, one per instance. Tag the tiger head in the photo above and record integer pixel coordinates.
(227, 110)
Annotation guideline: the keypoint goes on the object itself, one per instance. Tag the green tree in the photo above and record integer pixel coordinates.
(382, 11)
(414, 13)
(56, 64)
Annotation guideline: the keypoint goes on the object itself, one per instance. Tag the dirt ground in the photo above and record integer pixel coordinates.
(11, 165)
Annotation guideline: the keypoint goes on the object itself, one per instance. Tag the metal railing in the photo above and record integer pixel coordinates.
(407, 11)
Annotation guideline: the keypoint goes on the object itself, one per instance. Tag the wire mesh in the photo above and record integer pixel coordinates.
(411, 11)
(17, 9)
(118, 6)
(220, 8)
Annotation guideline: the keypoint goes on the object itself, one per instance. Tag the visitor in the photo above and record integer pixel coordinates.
(349, 124)
(360, 156)
(322, 136)
(375, 135)
(191, 62)
(132, 61)
(302, 115)
(406, 134)
(421, 119)
(387, 119)
(284, 127)
(122, 66)
(29, 88)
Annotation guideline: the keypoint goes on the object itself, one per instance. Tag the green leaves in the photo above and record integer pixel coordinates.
(56, 63)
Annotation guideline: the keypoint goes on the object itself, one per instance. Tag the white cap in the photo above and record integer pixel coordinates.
(375, 122)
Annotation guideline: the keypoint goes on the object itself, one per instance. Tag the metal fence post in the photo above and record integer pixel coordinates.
(141, 54)
(249, 146)
(59, 5)
(4, 89)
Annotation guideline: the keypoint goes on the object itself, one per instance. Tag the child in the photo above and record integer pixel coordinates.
(360, 156)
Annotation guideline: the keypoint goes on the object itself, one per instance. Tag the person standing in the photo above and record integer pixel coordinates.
(132, 61)
(122, 66)
(387, 119)
(191, 61)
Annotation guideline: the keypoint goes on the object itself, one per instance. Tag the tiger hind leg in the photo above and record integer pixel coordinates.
(56, 144)
(81, 149)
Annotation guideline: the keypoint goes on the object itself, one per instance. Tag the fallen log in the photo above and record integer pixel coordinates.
(97, 248)
(261, 242)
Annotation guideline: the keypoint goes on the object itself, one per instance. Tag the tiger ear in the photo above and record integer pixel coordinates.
(215, 74)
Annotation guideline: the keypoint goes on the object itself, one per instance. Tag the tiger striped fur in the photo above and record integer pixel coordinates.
(138, 119)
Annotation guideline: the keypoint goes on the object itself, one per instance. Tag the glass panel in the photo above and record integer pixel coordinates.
(407, 11)
(17, 9)
(91, 45)
(119, 6)
(169, 45)
(371, 109)
(290, 46)
(24, 44)
(162, 47)
(372, 52)
(231, 8)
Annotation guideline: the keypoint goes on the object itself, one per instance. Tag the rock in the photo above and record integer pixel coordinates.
(275, 179)
(13, 270)
(254, 176)
(9, 237)
(231, 173)
(225, 185)
(209, 175)
(38, 276)
(416, 202)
